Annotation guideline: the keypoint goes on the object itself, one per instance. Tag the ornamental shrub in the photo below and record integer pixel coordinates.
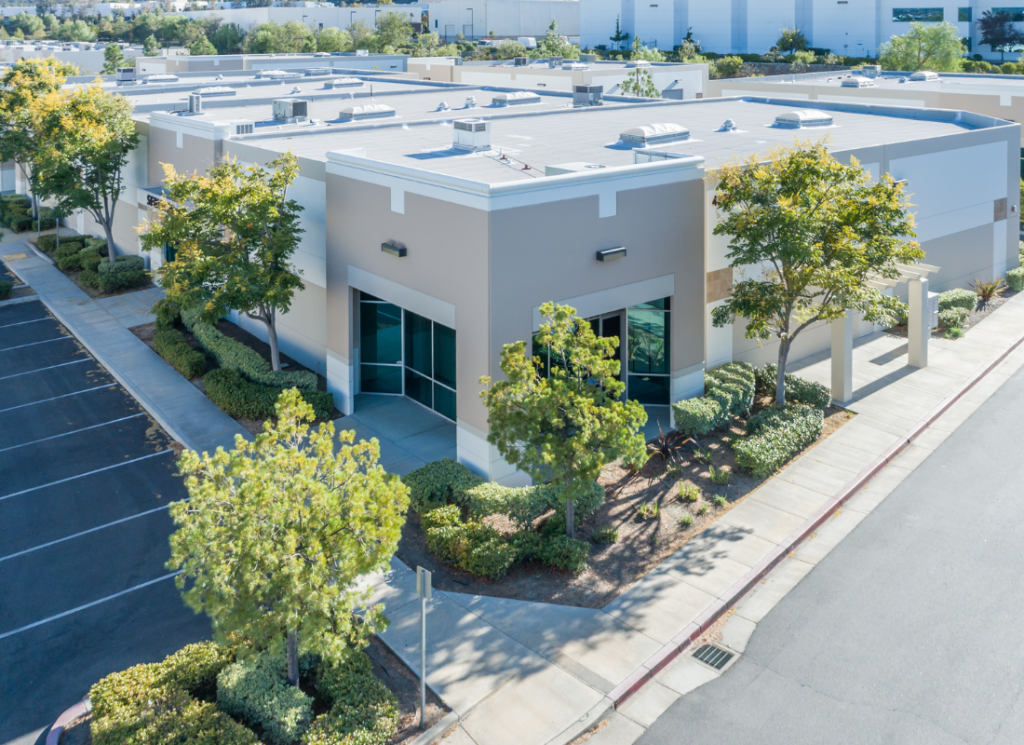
(774, 435)
(798, 390)
(97, 244)
(89, 278)
(235, 355)
(256, 692)
(19, 223)
(69, 262)
(958, 298)
(89, 259)
(123, 264)
(472, 546)
(737, 378)
(69, 248)
(168, 314)
(363, 711)
(47, 243)
(194, 668)
(953, 318)
(585, 505)
(440, 482)
(172, 346)
(118, 281)
(6, 289)
(695, 417)
(242, 398)
(1015, 279)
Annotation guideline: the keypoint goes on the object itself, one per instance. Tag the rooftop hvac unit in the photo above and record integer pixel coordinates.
(638, 63)
(871, 71)
(471, 134)
(587, 95)
(588, 59)
(924, 75)
(575, 66)
(516, 98)
(554, 62)
(319, 71)
(650, 135)
(195, 103)
(803, 118)
(216, 90)
(343, 83)
(277, 75)
(521, 61)
(161, 78)
(366, 111)
(242, 127)
(857, 82)
(126, 75)
(290, 109)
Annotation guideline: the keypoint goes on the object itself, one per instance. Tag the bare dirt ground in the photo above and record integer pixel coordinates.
(646, 509)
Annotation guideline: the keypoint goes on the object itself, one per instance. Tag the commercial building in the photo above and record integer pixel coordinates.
(440, 217)
(213, 63)
(503, 19)
(678, 81)
(852, 28)
(319, 15)
(87, 56)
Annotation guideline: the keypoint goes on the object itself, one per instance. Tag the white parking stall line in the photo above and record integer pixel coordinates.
(54, 398)
(51, 367)
(36, 343)
(22, 323)
(83, 475)
(93, 604)
(73, 432)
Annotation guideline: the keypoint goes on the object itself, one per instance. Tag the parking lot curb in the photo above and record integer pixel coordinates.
(639, 677)
(80, 709)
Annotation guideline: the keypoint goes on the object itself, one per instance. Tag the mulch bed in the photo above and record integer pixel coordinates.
(93, 294)
(386, 666)
(643, 542)
(147, 331)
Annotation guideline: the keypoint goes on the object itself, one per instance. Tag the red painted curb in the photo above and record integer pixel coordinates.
(712, 613)
(79, 709)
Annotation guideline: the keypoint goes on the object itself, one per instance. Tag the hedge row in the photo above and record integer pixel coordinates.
(16, 212)
(958, 298)
(363, 710)
(256, 692)
(729, 390)
(239, 397)
(172, 346)
(775, 435)
(798, 390)
(234, 355)
(438, 483)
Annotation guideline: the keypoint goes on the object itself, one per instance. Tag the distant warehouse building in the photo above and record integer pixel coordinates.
(504, 19)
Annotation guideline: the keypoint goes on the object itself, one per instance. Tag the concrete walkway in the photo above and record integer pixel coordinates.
(102, 326)
(533, 673)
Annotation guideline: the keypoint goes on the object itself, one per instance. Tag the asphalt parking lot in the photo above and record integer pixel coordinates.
(85, 479)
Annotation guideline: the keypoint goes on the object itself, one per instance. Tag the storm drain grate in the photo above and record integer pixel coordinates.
(713, 656)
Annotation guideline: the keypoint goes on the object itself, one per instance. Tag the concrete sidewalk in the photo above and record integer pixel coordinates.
(533, 673)
(102, 327)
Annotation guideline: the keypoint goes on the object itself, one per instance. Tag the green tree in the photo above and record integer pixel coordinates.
(555, 44)
(333, 40)
(150, 47)
(113, 58)
(76, 31)
(510, 49)
(726, 67)
(808, 232)
(998, 32)
(277, 532)
(791, 40)
(639, 83)
(21, 86)
(201, 46)
(641, 52)
(393, 32)
(567, 425)
(86, 136)
(228, 39)
(235, 230)
(935, 47)
(362, 35)
(619, 36)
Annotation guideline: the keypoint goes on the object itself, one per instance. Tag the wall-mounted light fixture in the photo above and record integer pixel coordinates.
(611, 254)
(394, 248)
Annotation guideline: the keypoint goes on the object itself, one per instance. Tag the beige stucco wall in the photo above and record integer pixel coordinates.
(195, 154)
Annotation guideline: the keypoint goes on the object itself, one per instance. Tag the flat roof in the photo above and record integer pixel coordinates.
(591, 135)
(945, 82)
(598, 65)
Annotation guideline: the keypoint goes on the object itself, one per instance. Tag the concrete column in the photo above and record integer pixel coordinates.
(917, 323)
(842, 358)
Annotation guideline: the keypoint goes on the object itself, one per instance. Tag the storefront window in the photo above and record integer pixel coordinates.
(650, 333)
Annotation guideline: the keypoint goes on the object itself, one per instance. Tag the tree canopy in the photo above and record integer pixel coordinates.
(806, 233)
(234, 230)
(277, 532)
(791, 40)
(998, 32)
(935, 47)
(565, 421)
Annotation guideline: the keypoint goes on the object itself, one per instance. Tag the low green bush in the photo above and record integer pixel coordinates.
(97, 244)
(119, 281)
(953, 318)
(47, 243)
(235, 355)
(440, 482)
(256, 692)
(240, 397)
(958, 298)
(194, 668)
(472, 546)
(90, 278)
(605, 535)
(775, 435)
(6, 289)
(563, 552)
(172, 346)
(123, 265)
(695, 417)
(798, 390)
(69, 248)
(737, 379)
(90, 260)
(363, 711)
(70, 262)
(168, 314)
(20, 223)
(1015, 279)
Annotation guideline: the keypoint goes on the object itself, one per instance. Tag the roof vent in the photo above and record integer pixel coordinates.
(219, 77)
(517, 98)
(195, 103)
(216, 90)
(470, 102)
(728, 126)
(801, 118)
(857, 82)
(638, 63)
(242, 127)
(366, 111)
(443, 106)
(587, 95)
(296, 89)
(650, 135)
(924, 75)
(290, 110)
(471, 134)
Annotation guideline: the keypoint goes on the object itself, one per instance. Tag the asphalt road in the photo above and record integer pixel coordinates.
(85, 479)
(910, 631)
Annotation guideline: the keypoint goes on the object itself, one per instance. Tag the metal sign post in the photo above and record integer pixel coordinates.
(423, 590)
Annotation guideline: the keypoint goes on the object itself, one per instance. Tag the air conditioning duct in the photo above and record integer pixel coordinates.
(471, 134)
(587, 95)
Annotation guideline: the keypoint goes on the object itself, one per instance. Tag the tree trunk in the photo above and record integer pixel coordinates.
(293, 658)
(570, 518)
(111, 254)
(275, 352)
(780, 380)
